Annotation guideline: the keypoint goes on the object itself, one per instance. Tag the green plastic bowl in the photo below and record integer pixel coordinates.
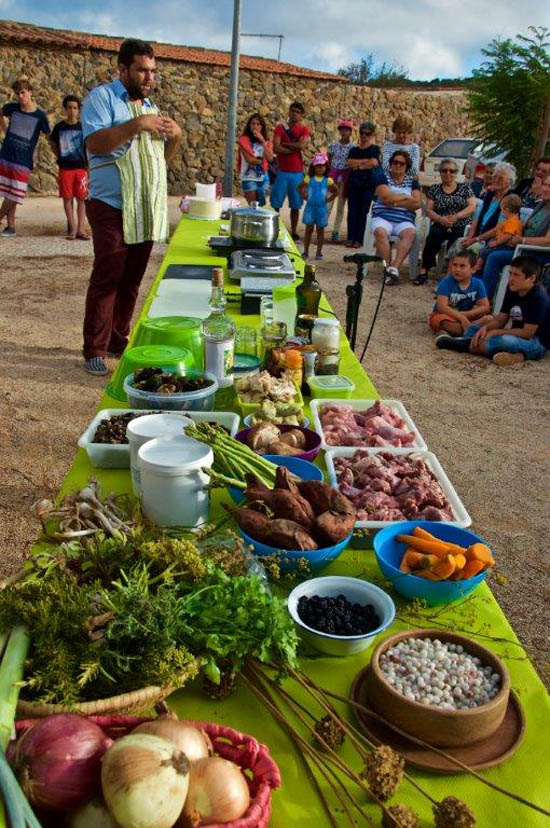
(177, 331)
(176, 360)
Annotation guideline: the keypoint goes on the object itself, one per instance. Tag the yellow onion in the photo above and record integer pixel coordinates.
(195, 743)
(144, 780)
(218, 792)
(92, 815)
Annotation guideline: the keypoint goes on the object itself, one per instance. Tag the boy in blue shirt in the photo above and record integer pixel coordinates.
(461, 297)
(526, 309)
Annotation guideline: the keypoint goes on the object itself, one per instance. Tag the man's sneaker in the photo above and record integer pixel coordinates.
(392, 276)
(334, 236)
(453, 343)
(504, 359)
(96, 366)
(9, 231)
(319, 255)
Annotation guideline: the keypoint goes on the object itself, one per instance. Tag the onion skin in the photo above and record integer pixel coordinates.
(144, 780)
(193, 742)
(92, 815)
(58, 761)
(218, 792)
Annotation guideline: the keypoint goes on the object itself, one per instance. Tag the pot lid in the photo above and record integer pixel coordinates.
(253, 212)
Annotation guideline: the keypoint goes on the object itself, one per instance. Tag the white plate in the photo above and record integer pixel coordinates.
(462, 518)
(107, 456)
(396, 405)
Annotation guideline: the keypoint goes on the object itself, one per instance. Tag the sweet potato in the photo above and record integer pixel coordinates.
(253, 523)
(340, 504)
(284, 504)
(317, 493)
(331, 528)
(254, 482)
(287, 534)
(284, 480)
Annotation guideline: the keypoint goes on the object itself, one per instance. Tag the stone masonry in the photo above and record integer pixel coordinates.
(196, 96)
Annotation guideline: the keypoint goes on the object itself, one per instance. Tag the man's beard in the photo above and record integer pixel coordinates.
(134, 91)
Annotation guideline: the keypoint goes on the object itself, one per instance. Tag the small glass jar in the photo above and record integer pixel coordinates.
(246, 340)
(273, 336)
(325, 337)
(267, 310)
(295, 365)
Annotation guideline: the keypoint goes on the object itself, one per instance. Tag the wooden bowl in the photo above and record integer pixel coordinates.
(442, 728)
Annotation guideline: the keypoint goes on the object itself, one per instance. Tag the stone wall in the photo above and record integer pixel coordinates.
(196, 95)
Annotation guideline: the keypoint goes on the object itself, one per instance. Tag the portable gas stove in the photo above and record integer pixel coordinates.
(226, 245)
(259, 271)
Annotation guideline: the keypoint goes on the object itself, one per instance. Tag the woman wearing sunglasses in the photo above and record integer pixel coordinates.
(393, 212)
(449, 206)
(363, 161)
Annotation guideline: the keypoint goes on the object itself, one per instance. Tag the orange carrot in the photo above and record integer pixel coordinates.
(424, 535)
(472, 569)
(427, 574)
(445, 568)
(480, 552)
(460, 560)
(435, 547)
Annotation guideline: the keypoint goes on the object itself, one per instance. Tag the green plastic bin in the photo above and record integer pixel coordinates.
(176, 360)
(331, 386)
(176, 331)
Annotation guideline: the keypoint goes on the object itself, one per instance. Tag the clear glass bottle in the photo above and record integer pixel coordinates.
(308, 296)
(218, 334)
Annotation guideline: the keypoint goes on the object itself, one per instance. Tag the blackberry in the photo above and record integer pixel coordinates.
(337, 615)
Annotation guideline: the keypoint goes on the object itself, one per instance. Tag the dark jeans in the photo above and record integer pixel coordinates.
(435, 238)
(359, 202)
(114, 284)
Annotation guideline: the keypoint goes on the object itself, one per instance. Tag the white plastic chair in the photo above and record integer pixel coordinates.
(414, 253)
(500, 292)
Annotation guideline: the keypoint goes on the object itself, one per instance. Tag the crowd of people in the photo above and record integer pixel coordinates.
(112, 153)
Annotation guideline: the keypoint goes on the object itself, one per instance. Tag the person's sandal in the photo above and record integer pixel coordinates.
(82, 237)
(421, 279)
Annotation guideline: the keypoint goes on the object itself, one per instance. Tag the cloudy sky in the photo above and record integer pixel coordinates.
(430, 38)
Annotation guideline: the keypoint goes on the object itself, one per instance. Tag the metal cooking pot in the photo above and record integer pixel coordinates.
(254, 225)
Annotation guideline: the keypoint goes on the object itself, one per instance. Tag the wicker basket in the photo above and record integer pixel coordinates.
(260, 771)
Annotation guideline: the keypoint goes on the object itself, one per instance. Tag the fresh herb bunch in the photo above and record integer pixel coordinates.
(92, 641)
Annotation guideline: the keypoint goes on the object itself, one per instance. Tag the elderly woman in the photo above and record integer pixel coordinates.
(449, 206)
(536, 232)
(528, 189)
(483, 226)
(255, 152)
(402, 129)
(393, 212)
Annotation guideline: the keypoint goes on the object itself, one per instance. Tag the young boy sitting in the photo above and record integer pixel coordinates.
(505, 230)
(526, 305)
(461, 297)
(68, 145)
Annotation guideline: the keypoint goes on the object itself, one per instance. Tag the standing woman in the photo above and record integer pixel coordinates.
(402, 129)
(362, 160)
(449, 206)
(255, 154)
(338, 153)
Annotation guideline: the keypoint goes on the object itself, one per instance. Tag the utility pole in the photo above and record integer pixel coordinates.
(233, 98)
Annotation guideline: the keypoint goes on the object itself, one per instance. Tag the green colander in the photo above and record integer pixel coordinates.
(177, 360)
(180, 331)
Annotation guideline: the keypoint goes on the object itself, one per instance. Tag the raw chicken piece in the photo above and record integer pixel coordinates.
(378, 425)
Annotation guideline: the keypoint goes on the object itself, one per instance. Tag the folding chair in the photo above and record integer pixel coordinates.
(414, 254)
(503, 280)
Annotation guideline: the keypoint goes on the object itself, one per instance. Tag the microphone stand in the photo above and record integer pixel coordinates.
(354, 293)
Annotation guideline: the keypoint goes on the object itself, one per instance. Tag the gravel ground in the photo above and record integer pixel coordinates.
(489, 427)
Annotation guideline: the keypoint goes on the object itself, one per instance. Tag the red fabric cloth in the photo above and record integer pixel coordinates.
(294, 161)
(245, 142)
(73, 183)
(114, 284)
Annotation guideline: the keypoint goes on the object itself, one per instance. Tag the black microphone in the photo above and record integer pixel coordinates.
(361, 258)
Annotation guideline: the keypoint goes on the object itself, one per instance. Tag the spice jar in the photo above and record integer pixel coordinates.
(294, 365)
(325, 337)
(273, 336)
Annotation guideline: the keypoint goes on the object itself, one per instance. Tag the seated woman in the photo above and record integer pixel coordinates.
(393, 212)
(255, 153)
(536, 232)
(483, 225)
(528, 189)
(449, 207)
(402, 129)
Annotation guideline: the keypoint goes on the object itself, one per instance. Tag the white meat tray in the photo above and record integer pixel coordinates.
(462, 518)
(396, 405)
(107, 456)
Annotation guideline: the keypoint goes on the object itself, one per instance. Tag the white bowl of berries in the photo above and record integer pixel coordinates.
(340, 616)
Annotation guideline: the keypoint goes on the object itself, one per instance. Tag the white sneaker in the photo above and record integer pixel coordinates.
(392, 276)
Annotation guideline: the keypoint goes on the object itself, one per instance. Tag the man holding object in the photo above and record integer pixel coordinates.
(128, 143)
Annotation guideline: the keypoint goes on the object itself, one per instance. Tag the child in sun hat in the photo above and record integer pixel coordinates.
(318, 190)
(338, 153)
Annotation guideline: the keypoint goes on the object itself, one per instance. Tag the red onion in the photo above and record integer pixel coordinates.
(58, 761)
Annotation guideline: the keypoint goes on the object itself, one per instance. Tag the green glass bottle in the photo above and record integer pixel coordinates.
(308, 296)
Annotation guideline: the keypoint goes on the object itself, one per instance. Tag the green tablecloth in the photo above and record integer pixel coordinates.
(527, 773)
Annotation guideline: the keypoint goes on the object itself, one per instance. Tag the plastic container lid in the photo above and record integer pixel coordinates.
(333, 323)
(159, 425)
(245, 363)
(170, 358)
(332, 381)
(175, 455)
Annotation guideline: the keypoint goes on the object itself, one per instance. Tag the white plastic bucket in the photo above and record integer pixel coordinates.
(172, 482)
(207, 191)
(147, 428)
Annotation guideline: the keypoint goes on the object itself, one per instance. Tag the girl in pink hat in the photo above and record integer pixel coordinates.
(338, 153)
(318, 190)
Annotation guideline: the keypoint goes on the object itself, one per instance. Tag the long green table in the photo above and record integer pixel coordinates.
(527, 773)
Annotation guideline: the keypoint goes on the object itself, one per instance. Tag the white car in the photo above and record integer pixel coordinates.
(459, 149)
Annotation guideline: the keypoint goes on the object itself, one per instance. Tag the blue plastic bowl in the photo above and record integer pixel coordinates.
(389, 553)
(301, 468)
(316, 558)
